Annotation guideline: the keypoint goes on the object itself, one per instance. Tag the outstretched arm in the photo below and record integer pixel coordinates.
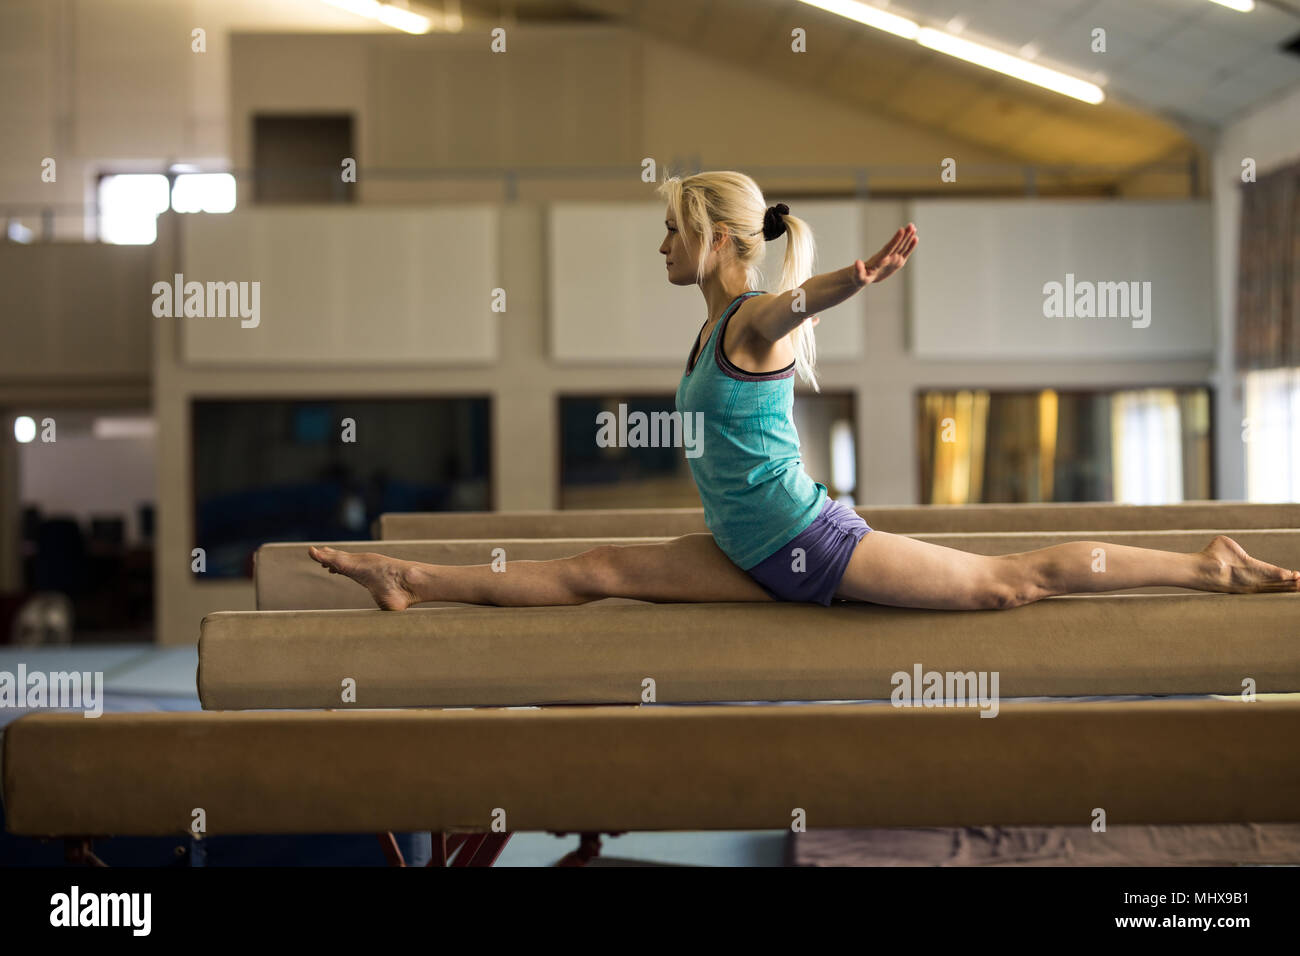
(776, 316)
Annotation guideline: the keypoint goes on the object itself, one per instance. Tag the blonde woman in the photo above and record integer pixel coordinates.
(775, 532)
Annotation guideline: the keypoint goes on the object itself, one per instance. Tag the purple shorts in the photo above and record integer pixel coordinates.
(813, 575)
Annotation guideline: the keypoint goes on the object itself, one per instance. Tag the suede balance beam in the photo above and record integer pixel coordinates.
(473, 656)
(287, 579)
(928, 519)
(654, 768)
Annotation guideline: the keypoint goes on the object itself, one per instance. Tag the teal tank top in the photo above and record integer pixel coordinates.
(750, 475)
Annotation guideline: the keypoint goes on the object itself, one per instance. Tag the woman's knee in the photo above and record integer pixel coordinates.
(1011, 582)
(598, 572)
(999, 595)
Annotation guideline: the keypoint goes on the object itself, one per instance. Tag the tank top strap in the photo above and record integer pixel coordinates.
(735, 304)
(698, 349)
(719, 353)
(721, 330)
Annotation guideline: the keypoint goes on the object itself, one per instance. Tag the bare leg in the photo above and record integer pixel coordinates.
(688, 569)
(903, 572)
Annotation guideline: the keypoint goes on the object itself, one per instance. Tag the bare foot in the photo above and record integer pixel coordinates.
(382, 576)
(1233, 571)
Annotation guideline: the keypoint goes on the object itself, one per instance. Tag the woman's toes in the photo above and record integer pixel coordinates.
(326, 558)
(1232, 569)
(379, 575)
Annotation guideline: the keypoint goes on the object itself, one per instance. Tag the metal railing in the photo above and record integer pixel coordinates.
(843, 181)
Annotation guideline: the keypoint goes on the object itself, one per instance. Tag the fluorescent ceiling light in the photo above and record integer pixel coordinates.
(968, 50)
(24, 428)
(871, 16)
(124, 427)
(403, 19)
(1241, 6)
(1021, 69)
(386, 13)
(362, 8)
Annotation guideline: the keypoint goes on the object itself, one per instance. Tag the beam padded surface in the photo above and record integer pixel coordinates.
(475, 656)
(930, 519)
(656, 768)
(288, 580)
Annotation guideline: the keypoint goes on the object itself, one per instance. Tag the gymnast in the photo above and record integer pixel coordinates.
(776, 535)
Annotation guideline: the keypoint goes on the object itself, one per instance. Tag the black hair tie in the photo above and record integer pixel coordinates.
(773, 221)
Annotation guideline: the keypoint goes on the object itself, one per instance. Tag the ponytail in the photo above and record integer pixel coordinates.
(796, 268)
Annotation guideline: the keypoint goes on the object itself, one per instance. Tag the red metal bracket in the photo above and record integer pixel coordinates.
(79, 851)
(452, 849)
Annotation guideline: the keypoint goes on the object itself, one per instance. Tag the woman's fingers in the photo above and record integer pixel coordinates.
(902, 238)
(896, 243)
(891, 257)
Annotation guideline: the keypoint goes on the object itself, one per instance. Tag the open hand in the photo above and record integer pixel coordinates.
(891, 257)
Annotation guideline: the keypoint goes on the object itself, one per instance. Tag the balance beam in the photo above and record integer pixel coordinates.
(614, 769)
(927, 519)
(286, 579)
(474, 656)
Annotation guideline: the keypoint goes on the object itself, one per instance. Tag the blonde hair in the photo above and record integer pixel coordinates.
(731, 203)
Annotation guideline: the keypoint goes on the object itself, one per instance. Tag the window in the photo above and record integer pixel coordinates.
(1138, 446)
(1271, 434)
(302, 470)
(130, 203)
(599, 469)
(297, 159)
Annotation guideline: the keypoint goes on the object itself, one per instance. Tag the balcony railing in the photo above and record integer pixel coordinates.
(25, 220)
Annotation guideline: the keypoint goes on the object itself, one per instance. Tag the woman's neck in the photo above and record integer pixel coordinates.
(719, 292)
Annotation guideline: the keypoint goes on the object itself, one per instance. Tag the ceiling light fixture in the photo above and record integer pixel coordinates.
(1241, 6)
(1021, 69)
(969, 50)
(397, 17)
(871, 16)
(124, 426)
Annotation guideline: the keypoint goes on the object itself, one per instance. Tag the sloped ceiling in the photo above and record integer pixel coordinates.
(1173, 70)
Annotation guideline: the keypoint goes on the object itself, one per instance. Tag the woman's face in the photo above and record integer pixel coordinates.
(679, 261)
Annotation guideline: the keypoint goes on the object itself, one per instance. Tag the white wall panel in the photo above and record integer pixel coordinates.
(610, 299)
(977, 278)
(75, 310)
(348, 286)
